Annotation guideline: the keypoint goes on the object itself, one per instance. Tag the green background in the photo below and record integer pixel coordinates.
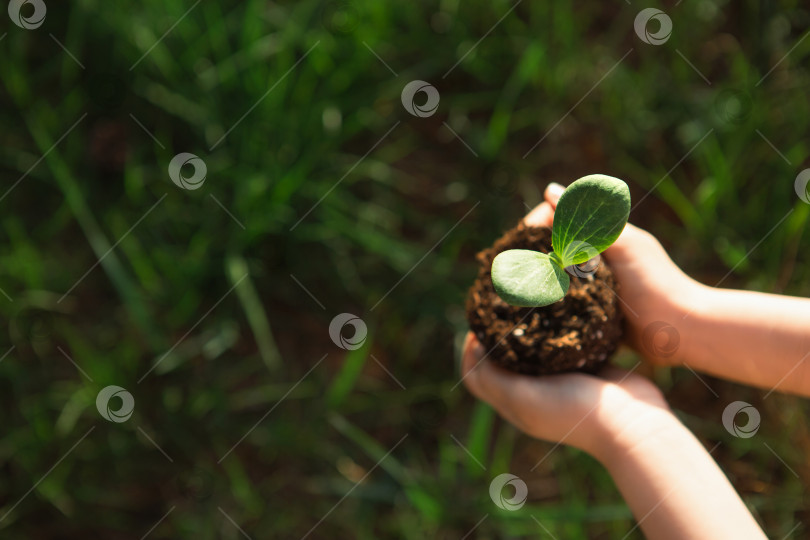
(391, 239)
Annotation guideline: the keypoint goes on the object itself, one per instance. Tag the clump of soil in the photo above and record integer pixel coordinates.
(578, 333)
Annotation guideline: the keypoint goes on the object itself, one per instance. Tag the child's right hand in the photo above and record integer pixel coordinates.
(654, 293)
(668, 479)
(749, 337)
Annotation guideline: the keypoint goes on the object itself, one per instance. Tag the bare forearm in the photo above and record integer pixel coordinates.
(754, 338)
(676, 490)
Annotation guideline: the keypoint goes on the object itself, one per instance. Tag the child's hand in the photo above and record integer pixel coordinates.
(653, 289)
(578, 409)
(670, 482)
(668, 479)
(601, 415)
(671, 319)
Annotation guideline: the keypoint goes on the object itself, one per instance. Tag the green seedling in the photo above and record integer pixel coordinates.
(590, 216)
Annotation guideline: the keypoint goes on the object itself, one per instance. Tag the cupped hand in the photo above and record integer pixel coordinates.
(603, 415)
(597, 414)
(654, 293)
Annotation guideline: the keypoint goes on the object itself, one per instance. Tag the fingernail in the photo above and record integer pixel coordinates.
(471, 346)
(475, 347)
(478, 350)
(555, 189)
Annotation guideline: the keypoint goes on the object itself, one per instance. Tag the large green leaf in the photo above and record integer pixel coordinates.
(590, 216)
(528, 278)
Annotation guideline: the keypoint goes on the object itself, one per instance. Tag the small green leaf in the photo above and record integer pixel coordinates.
(590, 216)
(528, 278)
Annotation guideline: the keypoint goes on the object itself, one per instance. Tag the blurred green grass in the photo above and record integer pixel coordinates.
(717, 190)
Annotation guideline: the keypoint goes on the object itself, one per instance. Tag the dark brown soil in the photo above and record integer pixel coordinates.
(578, 333)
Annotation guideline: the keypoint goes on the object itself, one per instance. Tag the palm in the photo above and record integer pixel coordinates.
(573, 408)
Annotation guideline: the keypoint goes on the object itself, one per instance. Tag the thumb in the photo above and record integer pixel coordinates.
(630, 240)
(553, 193)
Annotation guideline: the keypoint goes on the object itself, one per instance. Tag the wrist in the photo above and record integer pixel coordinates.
(666, 335)
(689, 311)
(688, 297)
(641, 426)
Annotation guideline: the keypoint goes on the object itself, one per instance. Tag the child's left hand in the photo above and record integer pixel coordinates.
(601, 415)
(582, 410)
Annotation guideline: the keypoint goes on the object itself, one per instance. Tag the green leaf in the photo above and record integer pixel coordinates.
(590, 216)
(528, 278)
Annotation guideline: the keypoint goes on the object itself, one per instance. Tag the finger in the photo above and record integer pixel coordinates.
(541, 216)
(551, 407)
(553, 193)
(484, 381)
(511, 392)
(470, 359)
(480, 376)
